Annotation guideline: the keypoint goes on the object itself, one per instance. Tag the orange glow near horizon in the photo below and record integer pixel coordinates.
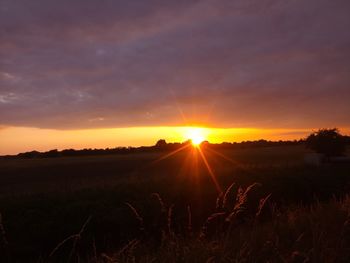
(22, 139)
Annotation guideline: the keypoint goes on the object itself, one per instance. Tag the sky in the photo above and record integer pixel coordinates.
(109, 65)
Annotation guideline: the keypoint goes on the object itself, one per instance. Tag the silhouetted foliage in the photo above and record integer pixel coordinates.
(52, 153)
(161, 143)
(32, 154)
(327, 141)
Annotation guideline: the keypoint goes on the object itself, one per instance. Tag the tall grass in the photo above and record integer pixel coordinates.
(245, 226)
(248, 228)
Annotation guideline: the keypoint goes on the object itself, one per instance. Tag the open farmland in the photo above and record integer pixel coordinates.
(43, 201)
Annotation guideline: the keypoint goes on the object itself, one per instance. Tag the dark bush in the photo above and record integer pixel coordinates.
(327, 141)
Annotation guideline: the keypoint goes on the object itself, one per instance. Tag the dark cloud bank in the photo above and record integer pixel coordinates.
(246, 63)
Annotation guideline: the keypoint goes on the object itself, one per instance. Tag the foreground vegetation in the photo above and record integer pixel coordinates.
(133, 208)
(318, 233)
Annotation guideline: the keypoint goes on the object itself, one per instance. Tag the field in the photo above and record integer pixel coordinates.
(144, 207)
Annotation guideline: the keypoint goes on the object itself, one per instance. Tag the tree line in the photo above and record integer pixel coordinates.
(326, 141)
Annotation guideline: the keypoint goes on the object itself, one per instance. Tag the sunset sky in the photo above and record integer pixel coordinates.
(84, 73)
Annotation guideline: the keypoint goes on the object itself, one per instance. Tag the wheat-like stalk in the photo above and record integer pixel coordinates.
(160, 201)
(129, 245)
(137, 216)
(244, 203)
(211, 223)
(75, 238)
(218, 204)
(229, 193)
(61, 244)
(262, 209)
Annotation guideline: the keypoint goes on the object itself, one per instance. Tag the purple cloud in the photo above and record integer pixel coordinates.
(80, 64)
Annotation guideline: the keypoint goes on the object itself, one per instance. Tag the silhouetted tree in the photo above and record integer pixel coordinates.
(51, 153)
(327, 141)
(32, 154)
(161, 143)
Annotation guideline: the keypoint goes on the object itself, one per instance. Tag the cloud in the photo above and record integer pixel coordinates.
(82, 64)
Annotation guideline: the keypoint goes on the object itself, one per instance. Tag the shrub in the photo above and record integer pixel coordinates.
(327, 141)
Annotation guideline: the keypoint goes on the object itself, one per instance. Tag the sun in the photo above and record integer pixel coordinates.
(196, 135)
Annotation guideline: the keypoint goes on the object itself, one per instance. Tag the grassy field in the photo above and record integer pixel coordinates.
(45, 201)
(23, 176)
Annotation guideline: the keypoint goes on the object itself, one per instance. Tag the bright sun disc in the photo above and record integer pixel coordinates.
(196, 135)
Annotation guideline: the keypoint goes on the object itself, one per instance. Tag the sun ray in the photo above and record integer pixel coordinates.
(212, 175)
(170, 154)
(184, 119)
(224, 157)
(210, 110)
(186, 165)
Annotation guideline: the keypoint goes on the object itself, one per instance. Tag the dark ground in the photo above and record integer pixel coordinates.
(43, 201)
